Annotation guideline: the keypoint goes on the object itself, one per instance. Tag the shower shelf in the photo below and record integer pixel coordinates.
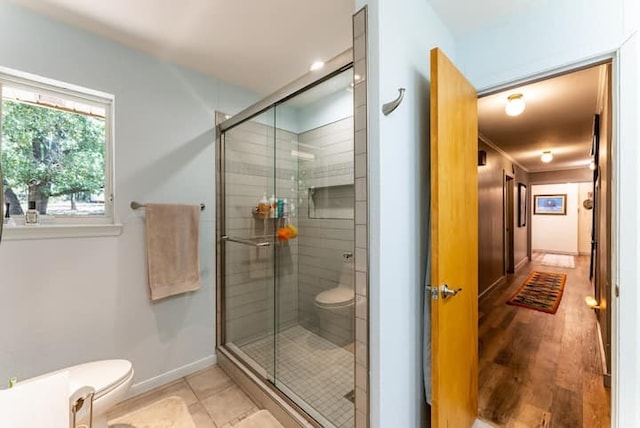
(254, 213)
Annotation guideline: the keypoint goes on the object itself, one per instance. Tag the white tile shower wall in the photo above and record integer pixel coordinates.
(322, 242)
(250, 173)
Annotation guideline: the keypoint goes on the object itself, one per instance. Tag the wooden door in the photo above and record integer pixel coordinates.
(454, 245)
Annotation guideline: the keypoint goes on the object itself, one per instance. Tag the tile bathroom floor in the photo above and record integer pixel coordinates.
(214, 400)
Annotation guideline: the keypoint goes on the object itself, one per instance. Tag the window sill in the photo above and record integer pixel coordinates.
(19, 233)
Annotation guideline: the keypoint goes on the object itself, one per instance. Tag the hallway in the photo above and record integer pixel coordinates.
(538, 369)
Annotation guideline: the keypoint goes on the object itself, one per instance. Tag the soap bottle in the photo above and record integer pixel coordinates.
(273, 203)
(32, 216)
(263, 207)
(285, 208)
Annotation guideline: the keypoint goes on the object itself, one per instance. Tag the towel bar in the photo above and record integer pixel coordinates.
(246, 241)
(135, 205)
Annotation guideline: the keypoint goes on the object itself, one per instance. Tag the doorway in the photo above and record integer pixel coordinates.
(534, 366)
(509, 264)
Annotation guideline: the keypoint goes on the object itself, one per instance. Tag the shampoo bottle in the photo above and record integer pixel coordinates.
(280, 208)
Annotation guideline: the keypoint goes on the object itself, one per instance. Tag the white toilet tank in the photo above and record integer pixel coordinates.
(346, 273)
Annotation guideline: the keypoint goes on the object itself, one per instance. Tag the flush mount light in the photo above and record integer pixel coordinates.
(515, 105)
(546, 156)
(317, 65)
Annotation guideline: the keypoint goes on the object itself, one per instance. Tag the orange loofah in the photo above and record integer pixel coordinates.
(283, 234)
(286, 233)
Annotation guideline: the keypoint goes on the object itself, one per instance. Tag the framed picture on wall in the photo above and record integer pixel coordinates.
(522, 205)
(550, 204)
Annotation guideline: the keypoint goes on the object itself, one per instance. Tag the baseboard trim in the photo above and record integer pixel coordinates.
(568, 253)
(171, 375)
(492, 286)
(521, 263)
(603, 356)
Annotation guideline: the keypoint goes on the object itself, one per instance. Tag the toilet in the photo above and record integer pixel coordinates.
(335, 307)
(110, 379)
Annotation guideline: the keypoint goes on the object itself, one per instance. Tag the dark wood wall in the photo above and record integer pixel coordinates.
(491, 178)
(603, 285)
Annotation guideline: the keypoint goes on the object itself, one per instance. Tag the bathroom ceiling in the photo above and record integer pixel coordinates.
(558, 117)
(257, 44)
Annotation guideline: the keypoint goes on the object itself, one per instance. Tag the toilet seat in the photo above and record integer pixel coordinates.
(335, 297)
(102, 376)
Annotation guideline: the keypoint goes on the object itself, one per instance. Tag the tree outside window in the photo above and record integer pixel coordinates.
(54, 156)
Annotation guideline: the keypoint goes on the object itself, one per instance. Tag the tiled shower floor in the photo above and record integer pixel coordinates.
(319, 372)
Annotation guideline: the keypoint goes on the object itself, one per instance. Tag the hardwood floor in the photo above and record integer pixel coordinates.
(538, 369)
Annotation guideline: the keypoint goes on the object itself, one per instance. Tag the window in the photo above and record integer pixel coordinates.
(56, 150)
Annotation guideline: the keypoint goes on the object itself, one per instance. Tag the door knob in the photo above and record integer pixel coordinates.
(447, 292)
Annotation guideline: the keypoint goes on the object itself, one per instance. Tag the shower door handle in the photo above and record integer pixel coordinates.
(245, 241)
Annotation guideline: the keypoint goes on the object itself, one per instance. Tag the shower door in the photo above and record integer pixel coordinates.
(248, 170)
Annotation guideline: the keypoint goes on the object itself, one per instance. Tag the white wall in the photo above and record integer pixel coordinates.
(66, 301)
(547, 35)
(626, 318)
(401, 33)
(556, 233)
(585, 218)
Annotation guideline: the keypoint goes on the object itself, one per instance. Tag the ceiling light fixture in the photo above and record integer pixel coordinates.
(546, 156)
(317, 65)
(515, 105)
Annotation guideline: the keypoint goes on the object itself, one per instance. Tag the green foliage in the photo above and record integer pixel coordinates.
(52, 152)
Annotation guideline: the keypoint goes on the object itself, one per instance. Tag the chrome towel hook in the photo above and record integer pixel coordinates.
(391, 106)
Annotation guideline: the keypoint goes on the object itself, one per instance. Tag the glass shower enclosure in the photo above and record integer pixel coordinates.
(286, 241)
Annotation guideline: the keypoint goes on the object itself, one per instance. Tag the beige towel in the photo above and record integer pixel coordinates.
(173, 262)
